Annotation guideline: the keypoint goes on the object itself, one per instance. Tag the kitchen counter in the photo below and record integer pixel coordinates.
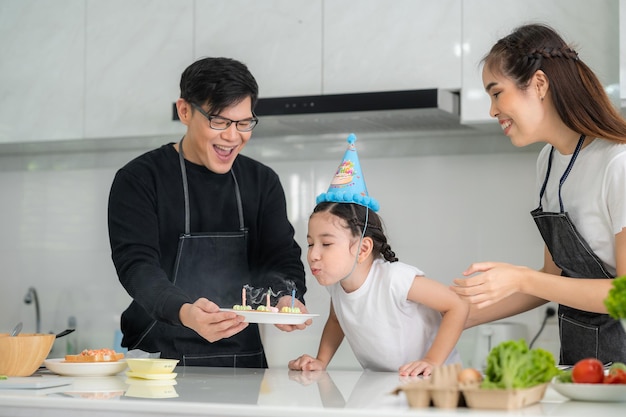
(249, 392)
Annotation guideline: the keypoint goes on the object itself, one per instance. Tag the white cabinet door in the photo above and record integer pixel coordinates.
(136, 51)
(622, 52)
(591, 28)
(41, 68)
(373, 45)
(279, 40)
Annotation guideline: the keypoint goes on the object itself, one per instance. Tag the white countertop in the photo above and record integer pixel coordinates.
(248, 392)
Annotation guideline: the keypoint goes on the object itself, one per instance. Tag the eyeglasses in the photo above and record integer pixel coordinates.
(222, 123)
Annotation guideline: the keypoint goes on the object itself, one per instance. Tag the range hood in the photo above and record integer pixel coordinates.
(375, 112)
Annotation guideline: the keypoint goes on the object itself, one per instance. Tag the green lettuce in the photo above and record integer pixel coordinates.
(615, 302)
(511, 364)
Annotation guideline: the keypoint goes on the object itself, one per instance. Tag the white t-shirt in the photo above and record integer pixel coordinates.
(594, 193)
(383, 328)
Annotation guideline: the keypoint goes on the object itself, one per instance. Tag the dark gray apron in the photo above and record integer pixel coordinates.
(215, 266)
(583, 334)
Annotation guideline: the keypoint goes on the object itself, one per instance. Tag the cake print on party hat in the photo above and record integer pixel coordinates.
(348, 184)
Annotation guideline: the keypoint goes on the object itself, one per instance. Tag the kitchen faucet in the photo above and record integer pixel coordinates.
(31, 296)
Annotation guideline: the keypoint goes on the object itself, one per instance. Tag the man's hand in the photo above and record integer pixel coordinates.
(206, 319)
(286, 302)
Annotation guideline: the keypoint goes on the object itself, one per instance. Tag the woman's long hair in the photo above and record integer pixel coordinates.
(577, 94)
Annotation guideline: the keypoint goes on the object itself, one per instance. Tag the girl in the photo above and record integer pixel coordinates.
(394, 318)
(541, 91)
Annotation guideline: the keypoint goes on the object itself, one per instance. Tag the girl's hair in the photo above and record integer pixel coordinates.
(578, 95)
(354, 215)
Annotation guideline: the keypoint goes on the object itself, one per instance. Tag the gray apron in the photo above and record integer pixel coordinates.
(215, 266)
(583, 334)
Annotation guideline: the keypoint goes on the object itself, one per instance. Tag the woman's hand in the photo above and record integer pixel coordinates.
(206, 319)
(415, 368)
(286, 302)
(306, 363)
(495, 282)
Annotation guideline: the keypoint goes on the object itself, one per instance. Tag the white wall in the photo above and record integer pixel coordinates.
(442, 212)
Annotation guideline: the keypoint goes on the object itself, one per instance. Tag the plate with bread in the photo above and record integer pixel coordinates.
(90, 362)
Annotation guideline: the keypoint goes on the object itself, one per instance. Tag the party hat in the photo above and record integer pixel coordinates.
(348, 184)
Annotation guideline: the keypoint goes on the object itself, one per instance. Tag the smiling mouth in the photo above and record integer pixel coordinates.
(224, 150)
(505, 124)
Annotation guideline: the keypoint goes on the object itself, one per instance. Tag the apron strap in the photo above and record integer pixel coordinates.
(239, 204)
(181, 159)
(579, 146)
(183, 169)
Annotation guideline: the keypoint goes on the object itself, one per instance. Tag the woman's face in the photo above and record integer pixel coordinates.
(332, 248)
(520, 113)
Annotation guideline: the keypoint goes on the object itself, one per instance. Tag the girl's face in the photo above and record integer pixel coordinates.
(332, 248)
(520, 113)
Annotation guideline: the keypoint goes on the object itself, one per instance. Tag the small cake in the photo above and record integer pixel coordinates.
(292, 310)
(241, 308)
(269, 309)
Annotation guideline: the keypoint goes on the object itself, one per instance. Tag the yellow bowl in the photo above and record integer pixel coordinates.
(151, 365)
(23, 354)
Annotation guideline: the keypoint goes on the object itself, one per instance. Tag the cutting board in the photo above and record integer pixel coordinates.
(34, 382)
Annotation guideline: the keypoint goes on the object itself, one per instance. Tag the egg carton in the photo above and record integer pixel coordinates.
(443, 390)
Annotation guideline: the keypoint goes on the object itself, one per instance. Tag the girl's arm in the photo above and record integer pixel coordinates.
(332, 336)
(454, 310)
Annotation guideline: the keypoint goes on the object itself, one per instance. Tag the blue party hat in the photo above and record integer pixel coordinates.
(348, 184)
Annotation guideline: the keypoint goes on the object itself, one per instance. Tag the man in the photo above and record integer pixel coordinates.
(192, 223)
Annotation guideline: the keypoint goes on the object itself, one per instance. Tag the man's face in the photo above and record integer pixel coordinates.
(216, 149)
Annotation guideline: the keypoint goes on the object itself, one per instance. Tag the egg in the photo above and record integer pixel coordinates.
(469, 375)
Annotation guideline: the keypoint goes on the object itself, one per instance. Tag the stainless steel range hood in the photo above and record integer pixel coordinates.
(377, 112)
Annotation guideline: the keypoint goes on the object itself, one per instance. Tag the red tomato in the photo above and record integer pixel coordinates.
(615, 376)
(588, 371)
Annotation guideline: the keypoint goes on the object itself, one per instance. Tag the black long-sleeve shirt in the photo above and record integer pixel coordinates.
(146, 218)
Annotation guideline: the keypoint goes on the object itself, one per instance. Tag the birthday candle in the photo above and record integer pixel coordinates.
(243, 296)
(268, 298)
(293, 297)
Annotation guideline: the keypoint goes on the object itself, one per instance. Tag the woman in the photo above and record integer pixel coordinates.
(542, 92)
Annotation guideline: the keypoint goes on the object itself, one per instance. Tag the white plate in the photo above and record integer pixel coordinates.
(253, 316)
(59, 366)
(591, 392)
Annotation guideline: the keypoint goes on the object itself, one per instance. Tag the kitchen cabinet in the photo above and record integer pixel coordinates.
(279, 40)
(591, 28)
(42, 65)
(622, 52)
(135, 53)
(374, 45)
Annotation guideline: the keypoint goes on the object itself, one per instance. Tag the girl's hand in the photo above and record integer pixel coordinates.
(496, 282)
(415, 368)
(306, 363)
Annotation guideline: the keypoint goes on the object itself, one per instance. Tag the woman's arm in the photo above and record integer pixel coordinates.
(502, 290)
